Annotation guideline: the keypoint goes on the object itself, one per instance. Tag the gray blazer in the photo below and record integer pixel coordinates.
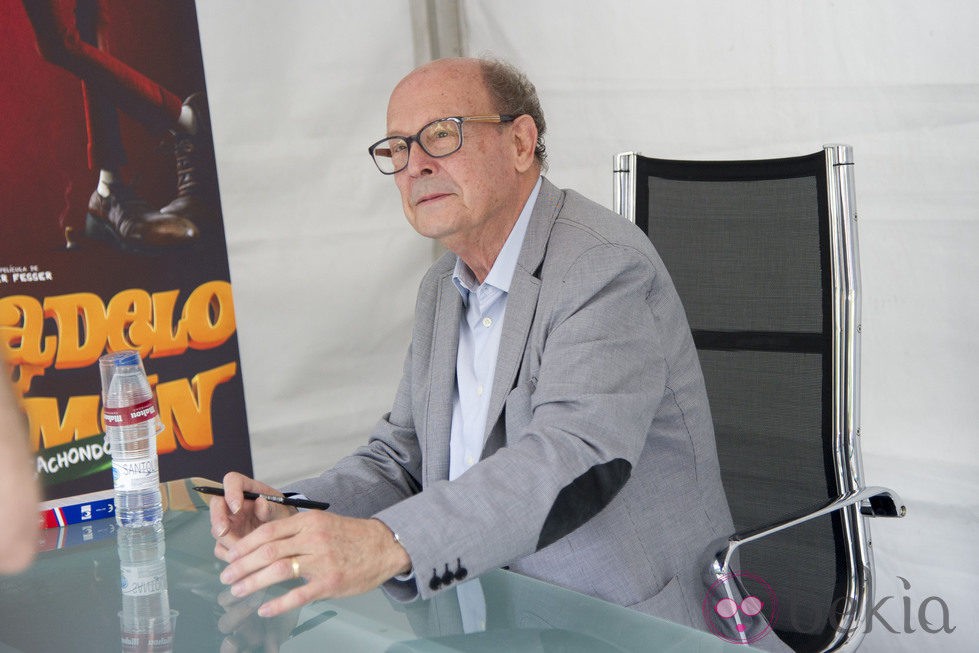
(599, 471)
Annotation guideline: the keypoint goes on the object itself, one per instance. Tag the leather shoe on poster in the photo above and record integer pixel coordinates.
(197, 188)
(126, 220)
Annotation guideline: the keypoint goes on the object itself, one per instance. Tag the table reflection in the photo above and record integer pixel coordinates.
(98, 587)
(146, 620)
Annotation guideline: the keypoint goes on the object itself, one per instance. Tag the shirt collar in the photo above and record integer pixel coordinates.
(501, 274)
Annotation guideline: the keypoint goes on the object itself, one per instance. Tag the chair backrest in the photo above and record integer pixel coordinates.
(763, 255)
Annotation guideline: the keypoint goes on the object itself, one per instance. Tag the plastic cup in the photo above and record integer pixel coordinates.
(108, 363)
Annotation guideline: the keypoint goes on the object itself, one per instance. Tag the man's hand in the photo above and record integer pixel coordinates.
(336, 555)
(232, 517)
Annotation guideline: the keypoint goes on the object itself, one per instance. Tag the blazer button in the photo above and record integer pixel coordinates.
(461, 572)
(436, 581)
(448, 576)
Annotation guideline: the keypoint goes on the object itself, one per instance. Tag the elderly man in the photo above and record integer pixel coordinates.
(552, 415)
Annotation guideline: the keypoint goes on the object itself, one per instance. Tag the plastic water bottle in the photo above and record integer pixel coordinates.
(131, 427)
(146, 620)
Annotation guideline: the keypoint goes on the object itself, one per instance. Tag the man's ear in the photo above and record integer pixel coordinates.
(525, 142)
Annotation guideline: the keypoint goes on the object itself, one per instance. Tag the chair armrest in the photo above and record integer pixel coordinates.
(877, 502)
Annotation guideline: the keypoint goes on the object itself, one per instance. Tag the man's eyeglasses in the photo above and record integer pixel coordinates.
(438, 138)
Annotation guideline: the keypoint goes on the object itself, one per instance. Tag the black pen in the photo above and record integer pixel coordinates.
(285, 501)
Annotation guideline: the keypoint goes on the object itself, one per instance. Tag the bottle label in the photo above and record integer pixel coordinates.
(135, 474)
(143, 580)
(129, 415)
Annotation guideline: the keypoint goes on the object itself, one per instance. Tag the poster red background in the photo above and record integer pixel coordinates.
(43, 125)
(45, 185)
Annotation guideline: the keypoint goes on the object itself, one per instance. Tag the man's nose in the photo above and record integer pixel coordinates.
(420, 162)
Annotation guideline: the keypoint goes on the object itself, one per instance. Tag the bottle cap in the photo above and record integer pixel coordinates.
(127, 358)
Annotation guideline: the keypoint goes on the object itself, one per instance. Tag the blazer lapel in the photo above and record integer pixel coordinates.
(445, 345)
(521, 304)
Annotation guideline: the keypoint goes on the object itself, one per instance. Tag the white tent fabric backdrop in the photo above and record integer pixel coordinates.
(325, 267)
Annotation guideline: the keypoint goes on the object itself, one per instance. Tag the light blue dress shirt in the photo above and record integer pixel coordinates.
(479, 344)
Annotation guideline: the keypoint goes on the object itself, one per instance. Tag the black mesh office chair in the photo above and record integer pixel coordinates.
(763, 254)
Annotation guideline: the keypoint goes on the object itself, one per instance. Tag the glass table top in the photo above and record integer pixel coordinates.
(96, 587)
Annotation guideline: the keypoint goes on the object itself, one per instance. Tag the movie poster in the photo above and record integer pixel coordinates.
(112, 236)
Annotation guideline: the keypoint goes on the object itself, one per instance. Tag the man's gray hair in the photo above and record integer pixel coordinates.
(515, 95)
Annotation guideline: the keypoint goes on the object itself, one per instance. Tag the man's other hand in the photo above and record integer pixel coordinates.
(233, 517)
(336, 555)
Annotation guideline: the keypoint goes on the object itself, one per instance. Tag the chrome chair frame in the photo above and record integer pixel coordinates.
(854, 501)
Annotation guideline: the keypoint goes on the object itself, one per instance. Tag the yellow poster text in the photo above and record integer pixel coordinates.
(185, 410)
(85, 327)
